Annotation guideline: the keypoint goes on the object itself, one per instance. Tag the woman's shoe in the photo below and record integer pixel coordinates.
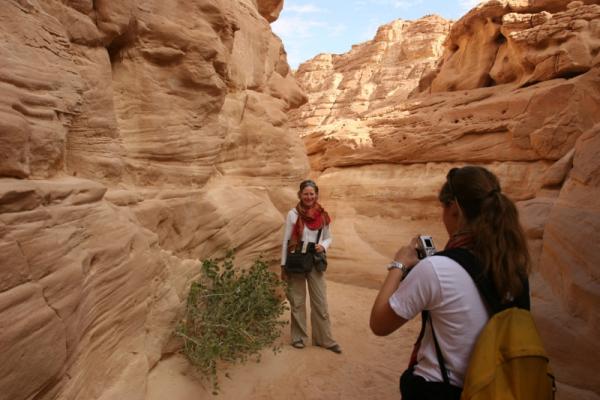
(335, 348)
(299, 344)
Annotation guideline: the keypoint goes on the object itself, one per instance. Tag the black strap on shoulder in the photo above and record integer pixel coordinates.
(438, 350)
(484, 284)
(471, 264)
(318, 236)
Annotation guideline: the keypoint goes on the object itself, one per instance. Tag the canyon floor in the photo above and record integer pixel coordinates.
(368, 368)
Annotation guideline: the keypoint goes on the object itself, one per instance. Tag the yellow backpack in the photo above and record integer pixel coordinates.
(508, 361)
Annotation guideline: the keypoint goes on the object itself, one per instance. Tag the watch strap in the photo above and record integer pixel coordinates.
(398, 265)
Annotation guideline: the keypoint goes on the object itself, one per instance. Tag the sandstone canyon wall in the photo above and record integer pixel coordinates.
(136, 137)
(517, 89)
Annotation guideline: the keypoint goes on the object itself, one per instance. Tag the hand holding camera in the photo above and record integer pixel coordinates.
(408, 256)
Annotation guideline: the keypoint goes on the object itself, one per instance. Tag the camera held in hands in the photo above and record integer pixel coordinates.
(425, 247)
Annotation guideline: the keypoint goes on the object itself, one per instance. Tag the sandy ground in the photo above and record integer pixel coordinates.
(368, 368)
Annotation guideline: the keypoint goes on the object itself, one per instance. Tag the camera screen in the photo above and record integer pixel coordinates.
(428, 243)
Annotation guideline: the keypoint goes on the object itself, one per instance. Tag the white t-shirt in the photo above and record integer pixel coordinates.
(443, 287)
(308, 235)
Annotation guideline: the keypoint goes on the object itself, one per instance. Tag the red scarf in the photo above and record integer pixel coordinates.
(314, 218)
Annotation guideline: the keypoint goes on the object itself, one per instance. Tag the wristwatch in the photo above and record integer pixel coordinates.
(398, 265)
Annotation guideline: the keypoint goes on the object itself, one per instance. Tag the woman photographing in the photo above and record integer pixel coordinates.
(483, 223)
(307, 231)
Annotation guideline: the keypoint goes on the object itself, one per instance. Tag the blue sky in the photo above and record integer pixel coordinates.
(310, 27)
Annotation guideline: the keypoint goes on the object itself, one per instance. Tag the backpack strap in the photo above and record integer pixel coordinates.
(484, 284)
(438, 351)
(471, 264)
(417, 345)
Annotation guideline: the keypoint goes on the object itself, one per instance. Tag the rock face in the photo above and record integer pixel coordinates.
(517, 89)
(341, 87)
(509, 42)
(136, 138)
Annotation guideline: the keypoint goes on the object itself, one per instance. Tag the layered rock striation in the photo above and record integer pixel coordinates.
(137, 137)
(517, 90)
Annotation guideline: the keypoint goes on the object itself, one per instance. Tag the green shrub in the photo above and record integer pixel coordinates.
(231, 315)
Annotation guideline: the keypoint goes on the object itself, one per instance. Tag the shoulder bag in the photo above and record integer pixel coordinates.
(301, 260)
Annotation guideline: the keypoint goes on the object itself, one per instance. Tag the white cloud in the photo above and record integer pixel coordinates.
(405, 3)
(468, 4)
(295, 55)
(299, 26)
(298, 32)
(337, 29)
(392, 3)
(296, 27)
(303, 8)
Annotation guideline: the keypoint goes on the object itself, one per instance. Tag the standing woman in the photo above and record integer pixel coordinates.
(302, 226)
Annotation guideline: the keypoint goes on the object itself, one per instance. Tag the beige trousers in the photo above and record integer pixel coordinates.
(319, 316)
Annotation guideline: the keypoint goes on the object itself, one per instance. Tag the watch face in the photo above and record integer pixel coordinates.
(396, 265)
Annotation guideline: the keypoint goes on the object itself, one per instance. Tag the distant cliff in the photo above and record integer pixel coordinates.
(341, 87)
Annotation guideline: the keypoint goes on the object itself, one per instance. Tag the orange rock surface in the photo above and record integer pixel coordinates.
(137, 138)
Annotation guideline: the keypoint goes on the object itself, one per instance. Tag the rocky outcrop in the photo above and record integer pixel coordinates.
(82, 283)
(136, 138)
(342, 86)
(508, 42)
(270, 9)
(569, 267)
(517, 90)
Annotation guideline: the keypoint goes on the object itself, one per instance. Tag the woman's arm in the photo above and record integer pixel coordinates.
(384, 319)
(287, 234)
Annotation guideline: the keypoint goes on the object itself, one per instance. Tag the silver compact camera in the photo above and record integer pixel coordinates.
(425, 247)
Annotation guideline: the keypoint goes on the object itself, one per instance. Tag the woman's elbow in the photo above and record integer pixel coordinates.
(385, 321)
(378, 330)
(378, 325)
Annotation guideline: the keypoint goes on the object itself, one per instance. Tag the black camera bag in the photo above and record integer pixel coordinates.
(299, 262)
